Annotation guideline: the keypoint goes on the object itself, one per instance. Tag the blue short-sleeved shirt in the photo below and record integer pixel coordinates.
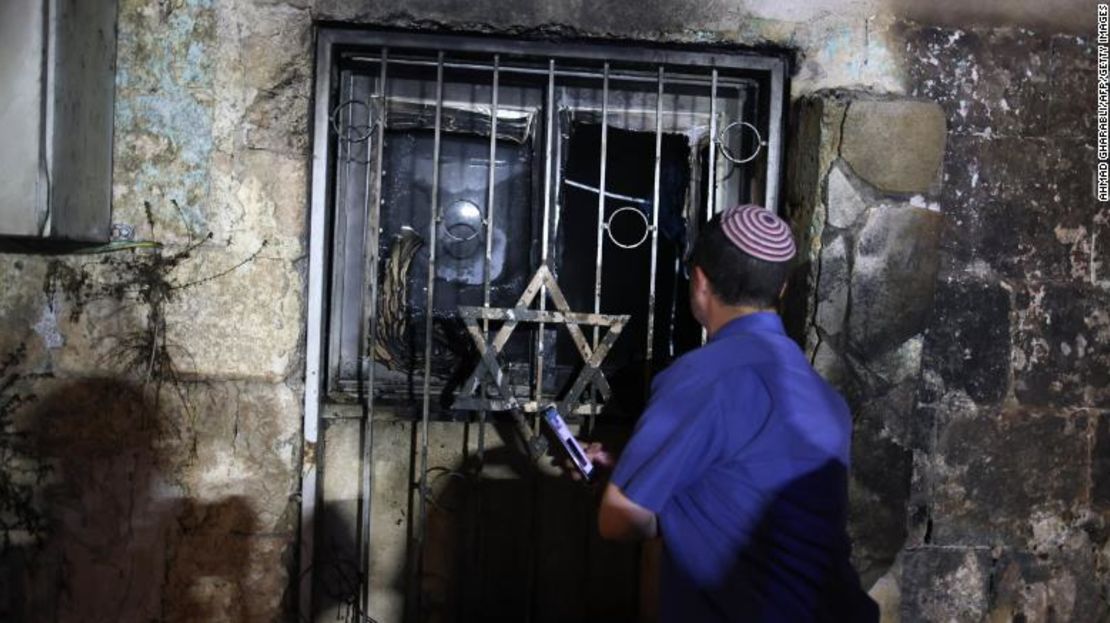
(742, 453)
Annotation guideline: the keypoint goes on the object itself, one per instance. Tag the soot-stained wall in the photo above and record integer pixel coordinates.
(960, 302)
(1009, 502)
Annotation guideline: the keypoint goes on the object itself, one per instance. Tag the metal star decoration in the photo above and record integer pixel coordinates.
(490, 368)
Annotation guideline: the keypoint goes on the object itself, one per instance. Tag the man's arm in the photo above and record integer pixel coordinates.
(622, 519)
(619, 518)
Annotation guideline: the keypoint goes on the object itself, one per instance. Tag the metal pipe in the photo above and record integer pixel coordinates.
(611, 195)
(373, 218)
(711, 199)
(546, 233)
(711, 191)
(601, 194)
(627, 76)
(655, 216)
(318, 242)
(339, 220)
(556, 184)
(487, 274)
(488, 269)
(538, 390)
(433, 223)
(774, 136)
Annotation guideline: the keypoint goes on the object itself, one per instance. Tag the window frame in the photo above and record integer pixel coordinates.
(331, 44)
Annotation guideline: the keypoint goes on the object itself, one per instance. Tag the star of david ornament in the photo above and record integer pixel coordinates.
(499, 396)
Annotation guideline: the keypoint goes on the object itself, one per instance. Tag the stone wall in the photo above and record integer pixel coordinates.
(864, 183)
(1009, 501)
(169, 382)
(959, 307)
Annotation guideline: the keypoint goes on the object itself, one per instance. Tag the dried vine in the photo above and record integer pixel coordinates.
(146, 278)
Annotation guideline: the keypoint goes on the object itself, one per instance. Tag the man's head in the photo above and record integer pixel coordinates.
(740, 261)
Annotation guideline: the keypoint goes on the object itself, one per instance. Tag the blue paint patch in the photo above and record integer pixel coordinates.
(164, 83)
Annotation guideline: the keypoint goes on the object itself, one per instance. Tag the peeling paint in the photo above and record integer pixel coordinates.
(47, 328)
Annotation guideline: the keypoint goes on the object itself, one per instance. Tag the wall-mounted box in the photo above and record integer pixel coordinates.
(57, 89)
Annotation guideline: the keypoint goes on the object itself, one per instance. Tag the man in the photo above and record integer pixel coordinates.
(740, 460)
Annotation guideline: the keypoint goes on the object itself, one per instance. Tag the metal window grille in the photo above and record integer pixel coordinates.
(448, 169)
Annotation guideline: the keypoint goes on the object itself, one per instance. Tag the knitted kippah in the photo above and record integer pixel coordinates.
(758, 232)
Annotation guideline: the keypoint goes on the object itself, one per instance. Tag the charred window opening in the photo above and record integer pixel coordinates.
(625, 282)
(455, 174)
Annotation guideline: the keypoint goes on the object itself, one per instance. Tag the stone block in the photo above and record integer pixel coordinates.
(880, 486)
(899, 365)
(193, 504)
(163, 116)
(996, 473)
(26, 313)
(994, 81)
(831, 297)
(246, 446)
(1073, 70)
(968, 340)
(945, 584)
(896, 146)
(244, 324)
(815, 145)
(845, 203)
(97, 316)
(228, 312)
(278, 119)
(1062, 345)
(830, 365)
(1060, 586)
(1022, 206)
(390, 517)
(893, 278)
(222, 575)
(264, 65)
(1100, 465)
(263, 196)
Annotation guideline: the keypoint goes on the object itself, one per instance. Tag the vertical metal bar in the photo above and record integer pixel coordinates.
(317, 266)
(487, 276)
(601, 193)
(373, 218)
(487, 273)
(601, 210)
(711, 191)
(655, 215)
(547, 190)
(339, 223)
(433, 223)
(774, 138)
(711, 198)
(534, 515)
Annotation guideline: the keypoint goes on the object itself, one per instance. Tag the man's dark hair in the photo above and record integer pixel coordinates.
(736, 277)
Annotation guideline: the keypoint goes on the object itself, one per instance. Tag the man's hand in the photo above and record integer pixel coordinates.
(622, 519)
(619, 518)
(602, 460)
(600, 457)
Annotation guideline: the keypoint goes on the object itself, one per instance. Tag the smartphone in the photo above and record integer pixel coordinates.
(566, 439)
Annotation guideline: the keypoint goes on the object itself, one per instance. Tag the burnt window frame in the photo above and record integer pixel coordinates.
(323, 397)
(337, 46)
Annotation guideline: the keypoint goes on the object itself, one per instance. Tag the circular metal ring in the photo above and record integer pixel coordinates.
(609, 227)
(351, 135)
(462, 226)
(475, 232)
(727, 153)
(462, 213)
